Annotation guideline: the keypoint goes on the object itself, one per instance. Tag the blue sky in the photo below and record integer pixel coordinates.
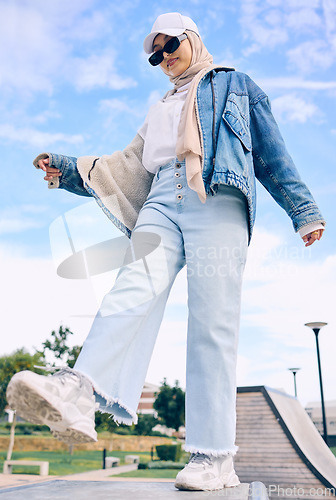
(74, 80)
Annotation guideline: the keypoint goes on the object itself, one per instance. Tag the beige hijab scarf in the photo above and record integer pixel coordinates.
(188, 145)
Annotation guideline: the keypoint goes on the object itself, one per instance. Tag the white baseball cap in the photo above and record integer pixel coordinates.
(173, 24)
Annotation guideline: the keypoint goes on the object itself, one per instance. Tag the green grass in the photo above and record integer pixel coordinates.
(153, 473)
(62, 463)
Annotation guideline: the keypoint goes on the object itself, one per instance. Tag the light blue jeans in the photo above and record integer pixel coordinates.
(211, 239)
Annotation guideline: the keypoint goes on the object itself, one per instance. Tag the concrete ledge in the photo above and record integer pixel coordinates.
(54, 490)
(44, 466)
(111, 462)
(132, 459)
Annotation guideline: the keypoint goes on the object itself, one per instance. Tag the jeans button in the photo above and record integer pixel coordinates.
(177, 174)
(178, 165)
(179, 186)
(179, 197)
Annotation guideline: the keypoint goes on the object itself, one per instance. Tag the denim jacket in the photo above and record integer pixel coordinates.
(240, 142)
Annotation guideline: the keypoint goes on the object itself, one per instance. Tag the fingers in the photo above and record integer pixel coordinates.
(43, 164)
(310, 238)
(51, 172)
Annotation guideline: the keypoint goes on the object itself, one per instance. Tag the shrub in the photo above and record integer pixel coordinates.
(158, 433)
(143, 465)
(145, 424)
(26, 430)
(171, 452)
(124, 431)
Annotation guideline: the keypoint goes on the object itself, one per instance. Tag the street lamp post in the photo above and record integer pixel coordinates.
(294, 372)
(316, 327)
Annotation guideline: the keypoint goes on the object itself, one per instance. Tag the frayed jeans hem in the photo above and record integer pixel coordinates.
(210, 451)
(119, 411)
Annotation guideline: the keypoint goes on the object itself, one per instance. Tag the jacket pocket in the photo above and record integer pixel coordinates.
(236, 116)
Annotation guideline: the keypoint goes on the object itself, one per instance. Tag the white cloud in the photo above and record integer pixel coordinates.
(262, 32)
(116, 106)
(169, 347)
(36, 138)
(329, 10)
(293, 108)
(28, 296)
(134, 107)
(45, 116)
(41, 40)
(153, 97)
(285, 284)
(13, 225)
(286, 287)
(301, 4)
(33, 53)
(293, 82)
(311, 55)
(18, 219)
(304, 20)
(267, 25)
(98, 71)
(227, 58)
(215, 17)
(132, 111)
(117, 110)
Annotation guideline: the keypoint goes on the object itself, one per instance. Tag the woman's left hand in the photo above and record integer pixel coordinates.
(313, 236)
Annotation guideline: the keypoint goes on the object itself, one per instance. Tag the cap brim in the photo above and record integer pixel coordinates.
(148, 42)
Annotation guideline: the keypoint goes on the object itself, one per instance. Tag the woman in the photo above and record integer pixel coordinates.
(185, 189)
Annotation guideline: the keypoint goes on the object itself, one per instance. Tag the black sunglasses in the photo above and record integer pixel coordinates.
(170, 47)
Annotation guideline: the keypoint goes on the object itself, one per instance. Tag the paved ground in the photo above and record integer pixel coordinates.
(11, 480)
(102, 474)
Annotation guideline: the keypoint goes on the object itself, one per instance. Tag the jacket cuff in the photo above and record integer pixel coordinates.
(308, 228)
(42, 156)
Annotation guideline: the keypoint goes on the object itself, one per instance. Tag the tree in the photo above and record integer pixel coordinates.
(145, 424)
(170, 404)
(58, 346)
(105, 422)
(13, 363)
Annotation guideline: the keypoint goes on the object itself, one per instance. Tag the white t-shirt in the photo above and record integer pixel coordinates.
(160, 128)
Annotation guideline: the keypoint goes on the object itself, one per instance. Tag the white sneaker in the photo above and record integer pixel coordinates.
(204, 472)
(63, 401)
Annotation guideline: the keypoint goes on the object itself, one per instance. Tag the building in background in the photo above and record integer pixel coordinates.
(315, 412)
(146, 407)
(147, 399)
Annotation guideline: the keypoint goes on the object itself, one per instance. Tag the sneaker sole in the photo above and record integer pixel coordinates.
(74, 436)
(30, 405)
(35, 408)
(216, 484)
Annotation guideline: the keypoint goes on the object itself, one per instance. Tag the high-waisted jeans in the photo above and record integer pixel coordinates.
(211, 239)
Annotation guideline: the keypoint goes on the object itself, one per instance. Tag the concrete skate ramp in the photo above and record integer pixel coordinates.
(283, 441)
(304, 435)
